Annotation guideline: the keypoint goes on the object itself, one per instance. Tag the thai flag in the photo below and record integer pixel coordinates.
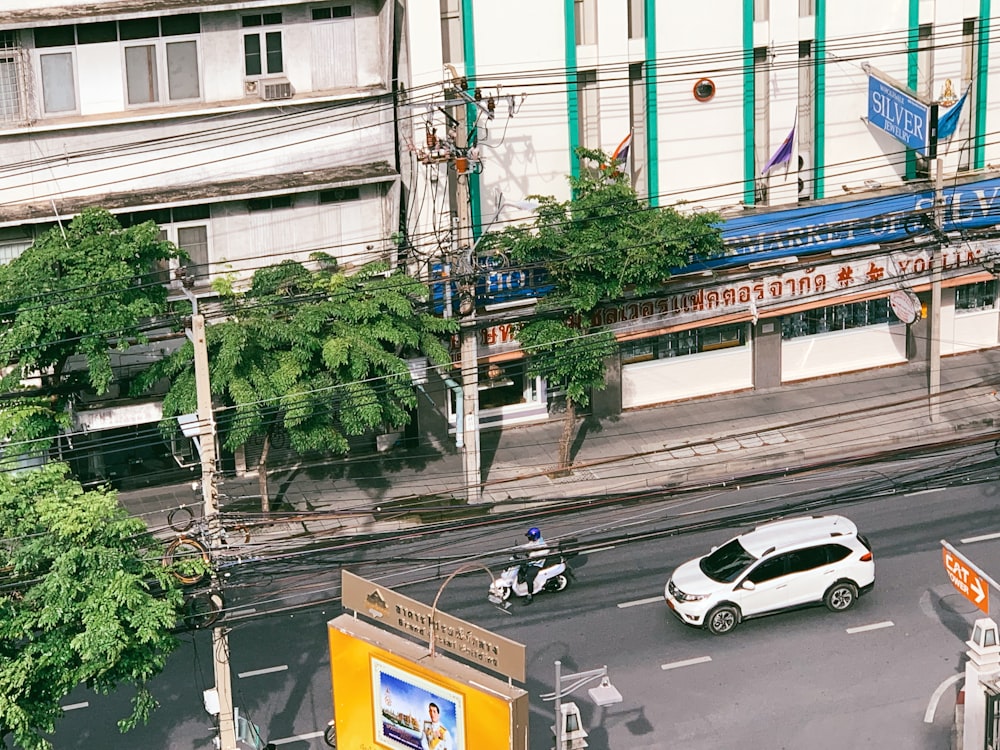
(620, 156)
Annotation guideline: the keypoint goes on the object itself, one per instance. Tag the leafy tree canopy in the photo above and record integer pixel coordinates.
(605, 241)
(84, 598)
(80, 293)
(321, 352)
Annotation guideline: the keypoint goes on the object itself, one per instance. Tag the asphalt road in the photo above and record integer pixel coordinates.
(881, 675)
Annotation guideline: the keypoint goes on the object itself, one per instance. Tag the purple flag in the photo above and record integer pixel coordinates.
(783, 155)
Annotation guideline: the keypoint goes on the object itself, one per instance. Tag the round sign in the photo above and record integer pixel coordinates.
(905, 305)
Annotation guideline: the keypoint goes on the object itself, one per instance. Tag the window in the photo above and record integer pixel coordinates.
(262, 50)
(332, 11)
(804, 133)
(12, 91)
(267, 204)
(501, 385)
(194, 241)
(769, 570)
(807, 8)
(761, 10)
(637, 117)
(140, 74)
(970, 62)
(451, 32)
(58, 82)
(761, 117)
(340, 195)
(837, 318)
(973, 297)
(694, 341)
(585, 21)
(807, 559)
(837, 552)
(636, 19)
(589, 121)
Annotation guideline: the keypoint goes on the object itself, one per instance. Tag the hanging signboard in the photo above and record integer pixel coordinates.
(898, 112)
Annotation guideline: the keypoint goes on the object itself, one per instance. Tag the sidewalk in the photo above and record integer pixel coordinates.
(677, 445)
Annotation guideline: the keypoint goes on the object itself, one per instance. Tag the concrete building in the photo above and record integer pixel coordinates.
(811, 126)
(251, 133)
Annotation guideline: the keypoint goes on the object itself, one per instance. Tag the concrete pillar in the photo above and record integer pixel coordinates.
(983, 667)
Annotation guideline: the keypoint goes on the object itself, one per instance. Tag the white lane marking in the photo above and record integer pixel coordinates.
(640, 602)
(873, 626)
(296, 738)
(256, 672)
(74, 706)
(686, 662)
(983, 538)
(924, 492)
(936, 696)
(598, 549)
(242, 612)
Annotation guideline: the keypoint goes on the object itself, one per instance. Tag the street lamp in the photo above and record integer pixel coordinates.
(460, 569)
(568, 715)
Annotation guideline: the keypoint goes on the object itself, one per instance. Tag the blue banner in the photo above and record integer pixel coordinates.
(899, 114)
(769, 234)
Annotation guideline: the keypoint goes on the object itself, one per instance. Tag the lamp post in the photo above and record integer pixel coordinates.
(460, 569)
(604, 694)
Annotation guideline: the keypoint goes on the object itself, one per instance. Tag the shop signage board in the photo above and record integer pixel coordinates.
(899, 112)
(971, 582)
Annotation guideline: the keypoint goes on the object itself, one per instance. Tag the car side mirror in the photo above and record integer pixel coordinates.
(748, 585)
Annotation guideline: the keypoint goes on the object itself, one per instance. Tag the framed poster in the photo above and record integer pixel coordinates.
(412, 713)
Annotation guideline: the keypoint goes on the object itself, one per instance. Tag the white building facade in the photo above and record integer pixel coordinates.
(826, 249)
(250, 132)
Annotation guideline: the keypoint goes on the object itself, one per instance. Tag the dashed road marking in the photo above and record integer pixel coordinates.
(640, 602)
(268, 670)
(75, 706)
(983, 538)
(686, 662)
(873, 626)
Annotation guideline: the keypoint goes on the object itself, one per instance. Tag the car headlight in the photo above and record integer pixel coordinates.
(692, 597)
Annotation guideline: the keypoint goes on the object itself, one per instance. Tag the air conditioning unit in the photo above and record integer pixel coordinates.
(274, 88)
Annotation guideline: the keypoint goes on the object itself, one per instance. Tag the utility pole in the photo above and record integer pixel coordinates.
(206, 420)
(937, 256)
(467, 271)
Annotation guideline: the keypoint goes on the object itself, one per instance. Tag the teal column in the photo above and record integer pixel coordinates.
(572, 92)
(982, 80)
(472, 114)
(650, 74)
(819, 110)
(912, 79)
(749, 97)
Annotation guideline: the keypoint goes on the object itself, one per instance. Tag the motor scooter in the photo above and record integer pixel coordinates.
(554, 575)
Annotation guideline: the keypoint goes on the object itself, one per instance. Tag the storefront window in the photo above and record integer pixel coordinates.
(837, 318)
(501, 384)
(979, 296)
(682, 343)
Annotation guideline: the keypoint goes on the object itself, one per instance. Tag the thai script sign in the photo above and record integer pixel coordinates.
(417, 619)
(899, 113)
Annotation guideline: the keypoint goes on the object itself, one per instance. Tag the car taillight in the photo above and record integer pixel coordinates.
(867, 557)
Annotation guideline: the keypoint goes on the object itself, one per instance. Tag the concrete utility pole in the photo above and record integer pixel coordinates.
(206, 419)
(937, 258)
(467, 270)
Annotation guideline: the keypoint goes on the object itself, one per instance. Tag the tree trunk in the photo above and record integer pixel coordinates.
(566, 439)
(265, 498)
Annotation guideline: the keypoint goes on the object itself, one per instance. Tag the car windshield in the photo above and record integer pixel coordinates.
(727, 562)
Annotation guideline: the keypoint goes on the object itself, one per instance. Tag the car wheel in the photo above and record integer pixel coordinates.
(841, 597)
(557, 584)
(722, 619)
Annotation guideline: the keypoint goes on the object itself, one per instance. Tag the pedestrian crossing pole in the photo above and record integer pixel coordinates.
(206, 420)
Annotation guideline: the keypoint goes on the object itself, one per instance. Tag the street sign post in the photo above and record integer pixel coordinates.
(966, 577)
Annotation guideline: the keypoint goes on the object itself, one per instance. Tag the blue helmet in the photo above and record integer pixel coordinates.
(533, 534)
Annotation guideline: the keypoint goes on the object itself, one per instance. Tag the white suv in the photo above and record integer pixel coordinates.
(779, 565)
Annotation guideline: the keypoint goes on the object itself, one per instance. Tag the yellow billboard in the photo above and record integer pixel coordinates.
(390, 693)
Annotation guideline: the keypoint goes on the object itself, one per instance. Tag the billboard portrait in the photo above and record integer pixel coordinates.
(413, 713)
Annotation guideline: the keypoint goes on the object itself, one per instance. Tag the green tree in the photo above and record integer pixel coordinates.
(604, 244)
(76, 294)
(84, 598)
(319, 353)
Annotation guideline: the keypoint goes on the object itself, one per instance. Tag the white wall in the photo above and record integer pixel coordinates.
(842, 351)
(675, 378)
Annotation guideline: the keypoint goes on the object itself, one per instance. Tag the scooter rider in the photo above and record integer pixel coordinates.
(537, 550)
